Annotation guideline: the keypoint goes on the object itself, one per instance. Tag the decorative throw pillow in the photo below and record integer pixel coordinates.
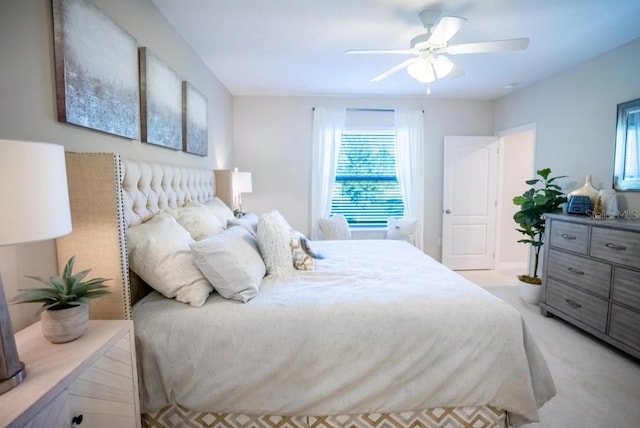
(402, 229)
(304, 258)
(198, 220)
(159, 253)
(273, 241)
(220, 210)
(231, 262)
(334, 227)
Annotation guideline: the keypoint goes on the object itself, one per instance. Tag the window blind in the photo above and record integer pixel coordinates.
(367, 190)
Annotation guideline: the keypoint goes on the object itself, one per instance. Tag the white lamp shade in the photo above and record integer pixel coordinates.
(422, 70)
(442, 66)
(427, 70)
(242, 182)
(33, 191)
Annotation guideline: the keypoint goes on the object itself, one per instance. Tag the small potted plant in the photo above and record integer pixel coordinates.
(65, 308)
(543, 197)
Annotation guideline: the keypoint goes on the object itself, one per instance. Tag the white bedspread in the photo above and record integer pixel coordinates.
(379, 327)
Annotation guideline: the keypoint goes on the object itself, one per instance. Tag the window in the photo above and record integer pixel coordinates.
(366, 191)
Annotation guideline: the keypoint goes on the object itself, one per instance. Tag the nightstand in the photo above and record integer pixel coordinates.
(89, 382)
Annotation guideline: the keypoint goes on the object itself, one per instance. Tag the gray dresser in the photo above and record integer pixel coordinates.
(591, 277)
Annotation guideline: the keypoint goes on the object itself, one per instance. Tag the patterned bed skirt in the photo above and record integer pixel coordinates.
(455, 417)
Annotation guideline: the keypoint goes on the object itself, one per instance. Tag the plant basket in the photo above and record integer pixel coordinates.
(65, 325)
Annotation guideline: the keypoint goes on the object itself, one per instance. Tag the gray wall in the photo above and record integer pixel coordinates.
(575, 117)
(272, 139)
(28, 109)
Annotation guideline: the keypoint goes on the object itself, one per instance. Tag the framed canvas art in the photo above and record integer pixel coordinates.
(160, 102)
(194, 121)
(96, 69)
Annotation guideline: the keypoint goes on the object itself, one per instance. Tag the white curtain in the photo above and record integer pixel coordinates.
(410, 166)
(328, 124)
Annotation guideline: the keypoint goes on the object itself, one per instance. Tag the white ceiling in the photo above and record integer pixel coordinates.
(296, 47)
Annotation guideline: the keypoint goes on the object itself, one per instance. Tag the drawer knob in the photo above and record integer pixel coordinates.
(575, 271)
(573, 304)
(616, 247)
(567, 236)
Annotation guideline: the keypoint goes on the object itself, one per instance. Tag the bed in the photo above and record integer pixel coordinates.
(378, 334)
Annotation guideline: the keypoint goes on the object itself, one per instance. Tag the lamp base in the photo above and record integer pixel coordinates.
(13, 381)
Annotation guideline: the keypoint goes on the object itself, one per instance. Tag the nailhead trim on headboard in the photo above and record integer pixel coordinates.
(107, 195)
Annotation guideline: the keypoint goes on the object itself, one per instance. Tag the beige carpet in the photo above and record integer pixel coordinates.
(597, 386)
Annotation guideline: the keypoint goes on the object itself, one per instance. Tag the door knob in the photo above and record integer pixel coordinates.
(447, 211)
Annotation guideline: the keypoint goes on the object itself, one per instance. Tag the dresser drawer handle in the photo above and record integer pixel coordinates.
(616, 247)
(573, 304)
(576, 271)
(567, 236)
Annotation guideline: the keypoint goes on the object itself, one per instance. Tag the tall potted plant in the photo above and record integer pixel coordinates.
(65, 302)
(543, 197)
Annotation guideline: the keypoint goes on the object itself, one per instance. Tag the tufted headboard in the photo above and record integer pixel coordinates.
(107, 195)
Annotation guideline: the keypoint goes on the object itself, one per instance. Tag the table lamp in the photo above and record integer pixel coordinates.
(35, 207)
(241, 184)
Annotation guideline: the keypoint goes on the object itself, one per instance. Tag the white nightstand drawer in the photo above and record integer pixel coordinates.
(93, 376)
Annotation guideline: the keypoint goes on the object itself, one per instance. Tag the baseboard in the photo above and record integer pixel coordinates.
(511, 266)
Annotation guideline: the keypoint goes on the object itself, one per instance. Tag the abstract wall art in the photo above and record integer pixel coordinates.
(160, 102)
(194, 121)
(96, 68)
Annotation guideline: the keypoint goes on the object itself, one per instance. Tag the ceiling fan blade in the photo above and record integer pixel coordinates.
(379, 51)
(486, 47)
(394, 69)
(445, 29)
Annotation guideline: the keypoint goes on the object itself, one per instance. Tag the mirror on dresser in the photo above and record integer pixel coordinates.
(626, 174)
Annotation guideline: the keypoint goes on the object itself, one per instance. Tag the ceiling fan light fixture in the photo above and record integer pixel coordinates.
(422, 70)
(442, 66)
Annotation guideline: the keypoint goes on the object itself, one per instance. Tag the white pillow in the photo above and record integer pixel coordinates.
(220, 210)
(199, 221)
(159, 253)
(248, 220)
(402, 229)
(231, 262)
(334, 227)
(273, 241)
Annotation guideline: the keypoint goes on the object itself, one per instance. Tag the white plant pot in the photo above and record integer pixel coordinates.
(529, 293)
(65, 325)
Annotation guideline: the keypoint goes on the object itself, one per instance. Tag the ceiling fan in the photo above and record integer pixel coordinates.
(430, 50)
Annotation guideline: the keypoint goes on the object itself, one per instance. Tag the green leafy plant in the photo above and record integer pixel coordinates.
(543, 197)
(64, 291)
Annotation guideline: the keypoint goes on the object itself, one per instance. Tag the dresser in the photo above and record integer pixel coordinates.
(591, 277)
(89, 382)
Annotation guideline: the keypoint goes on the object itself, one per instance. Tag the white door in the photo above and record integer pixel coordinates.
(469, 202)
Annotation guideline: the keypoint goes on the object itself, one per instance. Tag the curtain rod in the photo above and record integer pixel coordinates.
(389, 110)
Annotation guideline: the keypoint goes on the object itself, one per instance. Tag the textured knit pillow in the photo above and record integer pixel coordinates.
(273, 241)
(159, 253)
(334, 227)
(231, 262)
(198, 220)
(402, 230)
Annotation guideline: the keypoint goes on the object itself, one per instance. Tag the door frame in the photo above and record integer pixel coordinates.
(529, 127)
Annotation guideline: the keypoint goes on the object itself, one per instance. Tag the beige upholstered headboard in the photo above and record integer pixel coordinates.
(107, 195)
